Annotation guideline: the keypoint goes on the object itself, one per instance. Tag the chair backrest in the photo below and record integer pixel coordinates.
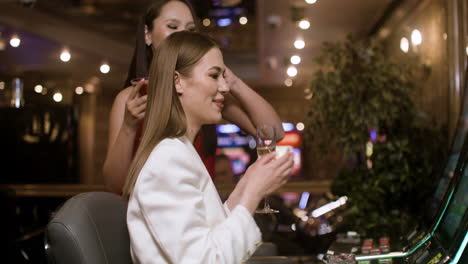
(90, 228)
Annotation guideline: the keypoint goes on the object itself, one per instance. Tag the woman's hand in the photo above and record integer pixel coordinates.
(268, 173)
(231, 79)
(135, 106)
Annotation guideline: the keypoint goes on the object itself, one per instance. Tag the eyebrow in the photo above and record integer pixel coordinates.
(217, 68)
(178, 21)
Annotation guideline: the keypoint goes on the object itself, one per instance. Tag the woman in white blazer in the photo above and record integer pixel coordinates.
(175, 214)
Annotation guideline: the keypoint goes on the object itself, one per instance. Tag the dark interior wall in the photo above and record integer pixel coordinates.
(429, 60)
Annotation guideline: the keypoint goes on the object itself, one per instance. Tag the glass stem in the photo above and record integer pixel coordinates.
(266, 205)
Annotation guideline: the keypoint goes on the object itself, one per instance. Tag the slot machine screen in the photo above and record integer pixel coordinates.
(233, 143)
(452, 222)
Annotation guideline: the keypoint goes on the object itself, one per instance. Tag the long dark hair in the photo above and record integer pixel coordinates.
(143, 54)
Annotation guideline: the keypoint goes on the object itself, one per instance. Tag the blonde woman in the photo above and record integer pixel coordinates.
(244, 107)
(175, 214)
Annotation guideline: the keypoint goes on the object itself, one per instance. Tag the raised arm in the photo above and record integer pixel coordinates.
(127, 112)
(247, 109)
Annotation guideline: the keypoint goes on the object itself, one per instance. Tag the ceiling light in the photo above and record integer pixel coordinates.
(79, 90)
(243, 20)
(206, 22)
(311, 1)
(292, 71)
(288, 82)
(105, 68)
(295, 59)
(416, 37)
(404, 45)
(300, 126)
(15, 41)
(299, 44)
(57, 97)
(304, 24)
(38, 88)
(65, 55)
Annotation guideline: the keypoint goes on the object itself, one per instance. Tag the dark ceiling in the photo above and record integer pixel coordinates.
(103, 30)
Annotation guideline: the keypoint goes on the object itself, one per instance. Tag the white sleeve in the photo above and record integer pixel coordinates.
(172, 205)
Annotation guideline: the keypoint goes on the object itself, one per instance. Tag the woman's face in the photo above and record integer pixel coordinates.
(175, 16)
(202, 93)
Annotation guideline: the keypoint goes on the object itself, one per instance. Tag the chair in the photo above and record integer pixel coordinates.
(90, 228)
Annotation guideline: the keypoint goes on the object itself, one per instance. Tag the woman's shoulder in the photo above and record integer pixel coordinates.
(169, 146)
(171, 151)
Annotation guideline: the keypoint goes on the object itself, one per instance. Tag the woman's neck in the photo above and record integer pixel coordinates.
(192, 131)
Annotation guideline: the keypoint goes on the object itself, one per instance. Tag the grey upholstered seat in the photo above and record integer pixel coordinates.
(90, 228)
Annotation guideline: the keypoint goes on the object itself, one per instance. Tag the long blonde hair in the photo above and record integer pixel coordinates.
(165, 117)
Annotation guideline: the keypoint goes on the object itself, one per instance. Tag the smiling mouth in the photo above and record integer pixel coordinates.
(219, 103)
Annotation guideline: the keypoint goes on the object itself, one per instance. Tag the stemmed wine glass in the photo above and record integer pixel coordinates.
(266, 143)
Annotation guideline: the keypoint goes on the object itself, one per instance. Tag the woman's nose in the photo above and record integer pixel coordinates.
(223, 86)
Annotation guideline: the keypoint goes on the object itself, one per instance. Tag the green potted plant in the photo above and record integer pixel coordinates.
(361, 102)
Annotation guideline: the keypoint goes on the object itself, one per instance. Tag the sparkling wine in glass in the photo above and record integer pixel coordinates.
(266, 143)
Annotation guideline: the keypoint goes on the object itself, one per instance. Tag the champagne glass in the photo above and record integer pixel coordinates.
(266, 143)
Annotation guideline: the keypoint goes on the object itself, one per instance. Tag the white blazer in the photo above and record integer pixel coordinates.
(175, 214)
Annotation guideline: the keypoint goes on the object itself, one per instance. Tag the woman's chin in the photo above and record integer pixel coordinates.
(216, 119)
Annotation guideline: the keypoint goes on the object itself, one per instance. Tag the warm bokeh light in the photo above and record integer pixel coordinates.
(243, 20)
(105, 68)
(288, 82)
(311, 1)
(295, 59)
(299, 44)
(292, 71)
(2, 85)
(15, 41)
(65, 55)
(38, 88)
(304, 24)
(206, 22)
(404, 45)
(300, 126)
(466, 50)
(79, 90)
(416, 37)
(57, 97)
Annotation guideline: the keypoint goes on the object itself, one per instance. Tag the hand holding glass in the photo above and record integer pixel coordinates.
(266, 143)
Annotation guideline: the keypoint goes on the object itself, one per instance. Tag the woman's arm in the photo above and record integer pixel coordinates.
(127, 112)
(247, 109)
